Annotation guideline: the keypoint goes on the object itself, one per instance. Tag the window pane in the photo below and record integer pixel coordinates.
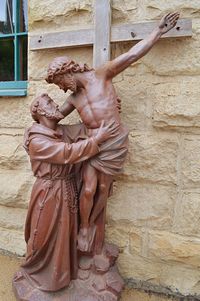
(6, 59)
(6, 16)
(23, 18)
(23, 57)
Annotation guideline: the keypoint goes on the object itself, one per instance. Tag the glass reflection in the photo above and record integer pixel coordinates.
(23, 58)
(6, 59)
(23, 16)
(6, 16)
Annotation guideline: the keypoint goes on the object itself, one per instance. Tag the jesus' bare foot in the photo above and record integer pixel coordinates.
(86, 238)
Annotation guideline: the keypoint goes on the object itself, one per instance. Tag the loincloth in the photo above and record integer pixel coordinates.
(110, 159)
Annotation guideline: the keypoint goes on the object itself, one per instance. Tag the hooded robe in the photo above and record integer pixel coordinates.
(51, 224)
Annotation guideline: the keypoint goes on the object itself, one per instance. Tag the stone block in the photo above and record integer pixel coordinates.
(133, 294)
(187, 214)
(117, 235)
(177, 103)
(136, 101)
(12, 241)
(12, 218)
(15, 188)
(124, 11)
(159, 274)
(180, 278)
(139, 268)
(172, 57)
(54, 17)
(190, 170)
(187, 8)
(12, 153)
(15, 113)
(152, 158)
(146, 206)
(125, 237)
(170, 247)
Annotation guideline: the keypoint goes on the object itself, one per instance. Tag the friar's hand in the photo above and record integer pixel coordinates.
(106, 131)
(168, 22)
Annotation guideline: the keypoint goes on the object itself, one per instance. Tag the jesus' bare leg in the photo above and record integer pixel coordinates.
(87, 231)
(94, 182)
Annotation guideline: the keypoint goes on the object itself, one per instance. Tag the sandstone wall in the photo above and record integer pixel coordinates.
(154, 213)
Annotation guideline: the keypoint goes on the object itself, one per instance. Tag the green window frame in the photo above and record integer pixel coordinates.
(17, 87)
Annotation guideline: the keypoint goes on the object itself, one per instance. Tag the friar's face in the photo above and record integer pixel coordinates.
(66, 82)
(49, 109)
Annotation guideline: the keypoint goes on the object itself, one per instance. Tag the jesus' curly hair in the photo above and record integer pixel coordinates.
(62, 65)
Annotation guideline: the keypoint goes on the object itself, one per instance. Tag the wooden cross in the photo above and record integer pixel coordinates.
(104, 34)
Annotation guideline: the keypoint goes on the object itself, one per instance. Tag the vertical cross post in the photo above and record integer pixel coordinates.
(102, 32)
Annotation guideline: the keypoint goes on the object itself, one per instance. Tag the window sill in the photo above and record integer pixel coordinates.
(17, 88)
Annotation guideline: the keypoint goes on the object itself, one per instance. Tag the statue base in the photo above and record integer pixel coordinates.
(98, 280)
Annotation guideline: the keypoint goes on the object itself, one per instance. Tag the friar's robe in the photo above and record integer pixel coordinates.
(51, 225)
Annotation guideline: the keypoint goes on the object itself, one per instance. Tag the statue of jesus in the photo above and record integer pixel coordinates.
(95, 99)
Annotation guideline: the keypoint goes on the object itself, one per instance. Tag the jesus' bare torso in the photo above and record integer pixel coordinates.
(97, 102)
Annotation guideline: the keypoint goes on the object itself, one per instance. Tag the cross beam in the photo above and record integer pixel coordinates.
(120, 33)
(103, 34)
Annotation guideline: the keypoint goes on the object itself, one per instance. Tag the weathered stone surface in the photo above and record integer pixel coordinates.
(190, 172)
(124, 10)
(174, 248)
(12, 241)
(15, 188)
(12, 153)
(135, 101)
(12, 218)
(125, 237)
(177, 103)
(137, 239)
(177, 276)
(149, 206)
(139, 268)
(187, 214)
(117, 235)
(155, 8)
(131, 294)
(20, 116)
(54, 17)
(180, 278)
(174, 56)
(152, 157)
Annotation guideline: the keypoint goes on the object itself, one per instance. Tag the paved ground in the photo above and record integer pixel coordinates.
(8, 266)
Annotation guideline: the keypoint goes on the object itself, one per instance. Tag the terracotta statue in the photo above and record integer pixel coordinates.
(95, 99)
(67, 160)
(51, 225)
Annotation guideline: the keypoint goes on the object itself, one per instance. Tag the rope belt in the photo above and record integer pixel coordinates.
(52, 178)
(70, 189)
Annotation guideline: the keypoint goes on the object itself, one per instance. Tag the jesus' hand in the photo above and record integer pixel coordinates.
(168, 22)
